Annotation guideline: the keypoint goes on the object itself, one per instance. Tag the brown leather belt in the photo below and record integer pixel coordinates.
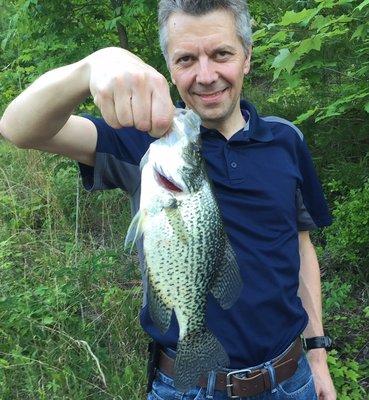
(254, 380)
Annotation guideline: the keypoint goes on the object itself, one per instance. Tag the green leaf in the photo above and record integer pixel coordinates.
(320, 22)
(279, 37)
(292, 17)
(285, 60)
(293, 80)
(309, 44)
(360, 32)
(259, 34)
(362, 5)
(3, 363)
(353, 375)
(305, 116)
(366, 309)
(47, 320)
(366, 108)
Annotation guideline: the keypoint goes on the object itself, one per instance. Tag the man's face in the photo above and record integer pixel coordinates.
(207, 63)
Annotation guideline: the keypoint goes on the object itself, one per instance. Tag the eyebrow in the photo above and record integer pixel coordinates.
(224, 48)
(185, 53)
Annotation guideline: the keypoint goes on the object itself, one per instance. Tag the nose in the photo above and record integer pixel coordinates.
(206, 74)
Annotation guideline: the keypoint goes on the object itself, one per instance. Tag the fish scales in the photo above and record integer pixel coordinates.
(184, 284)
(187, 251)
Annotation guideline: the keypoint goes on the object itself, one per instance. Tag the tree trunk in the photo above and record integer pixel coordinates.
(122, 33)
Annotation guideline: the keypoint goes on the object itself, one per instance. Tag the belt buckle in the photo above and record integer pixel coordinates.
(229, 378)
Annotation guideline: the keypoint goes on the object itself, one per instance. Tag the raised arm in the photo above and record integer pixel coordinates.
(127, 91)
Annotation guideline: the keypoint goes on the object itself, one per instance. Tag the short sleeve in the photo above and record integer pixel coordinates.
(312, 207)
(118, 156)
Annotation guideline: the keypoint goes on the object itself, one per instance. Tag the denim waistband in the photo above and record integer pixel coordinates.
(172, 353)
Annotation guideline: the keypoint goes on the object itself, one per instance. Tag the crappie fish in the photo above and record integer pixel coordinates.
(187, 251)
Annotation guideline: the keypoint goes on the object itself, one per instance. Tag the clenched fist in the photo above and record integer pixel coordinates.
(129, 92)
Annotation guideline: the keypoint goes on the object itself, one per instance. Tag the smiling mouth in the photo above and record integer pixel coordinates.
(214, 95)
(166, 183)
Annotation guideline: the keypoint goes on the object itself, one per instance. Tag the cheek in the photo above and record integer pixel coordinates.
(183, 80)
(232, 73)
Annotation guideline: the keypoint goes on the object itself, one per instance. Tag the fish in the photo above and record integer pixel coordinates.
(187, 251)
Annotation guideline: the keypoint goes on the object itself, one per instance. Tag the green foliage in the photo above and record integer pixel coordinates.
(69, 297)
(346, 375)
(345, 308)
(348, 237)
(40, 35)
(326, 42)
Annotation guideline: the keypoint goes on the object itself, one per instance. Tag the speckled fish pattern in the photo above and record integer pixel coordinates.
(188, 255)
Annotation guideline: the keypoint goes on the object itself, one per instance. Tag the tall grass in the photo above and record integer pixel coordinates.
(69, 295)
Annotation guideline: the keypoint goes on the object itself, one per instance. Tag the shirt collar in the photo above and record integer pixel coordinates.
(254, 129)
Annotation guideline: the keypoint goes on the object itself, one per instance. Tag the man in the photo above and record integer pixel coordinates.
(263, 179)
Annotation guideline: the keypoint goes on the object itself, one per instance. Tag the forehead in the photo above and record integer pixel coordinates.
(187, 31)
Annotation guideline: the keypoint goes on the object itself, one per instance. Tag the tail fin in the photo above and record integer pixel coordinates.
(198, 353)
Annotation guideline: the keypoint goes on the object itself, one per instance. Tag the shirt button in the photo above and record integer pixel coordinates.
(233, 164)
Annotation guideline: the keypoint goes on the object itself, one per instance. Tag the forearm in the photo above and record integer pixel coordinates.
(39, 112)
(310, 292)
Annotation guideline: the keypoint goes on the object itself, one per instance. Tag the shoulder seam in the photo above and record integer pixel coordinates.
(285, 122)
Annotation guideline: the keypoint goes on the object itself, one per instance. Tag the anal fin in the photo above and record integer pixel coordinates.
(198, 353)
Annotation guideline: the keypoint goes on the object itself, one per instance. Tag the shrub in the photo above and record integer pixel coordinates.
(348, 236)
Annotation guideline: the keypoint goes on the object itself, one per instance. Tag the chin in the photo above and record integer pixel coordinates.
(212, 115)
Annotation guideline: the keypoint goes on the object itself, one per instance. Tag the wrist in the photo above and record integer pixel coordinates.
(317, 355)
(80, 74)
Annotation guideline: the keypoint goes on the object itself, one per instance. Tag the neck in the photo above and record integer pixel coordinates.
(227, 127)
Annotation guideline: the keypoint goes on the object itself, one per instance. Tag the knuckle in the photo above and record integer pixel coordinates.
(143, 126)
(119, 80)
(112, 122)
(126, 122)
(139, 78)
(103, 94)
(161, 122)
(159, 80)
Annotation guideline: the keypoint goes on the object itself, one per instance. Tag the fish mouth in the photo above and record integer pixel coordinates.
(167, 183)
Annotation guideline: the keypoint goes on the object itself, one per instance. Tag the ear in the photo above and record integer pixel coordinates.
(246, 65)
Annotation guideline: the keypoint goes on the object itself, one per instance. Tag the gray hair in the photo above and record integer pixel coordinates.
(238, 8)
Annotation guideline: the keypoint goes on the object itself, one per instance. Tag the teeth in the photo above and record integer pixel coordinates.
(212, 94)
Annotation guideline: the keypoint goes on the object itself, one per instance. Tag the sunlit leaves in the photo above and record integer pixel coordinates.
(284, 61)
(365, 3)
(292, 17)
(313, 44)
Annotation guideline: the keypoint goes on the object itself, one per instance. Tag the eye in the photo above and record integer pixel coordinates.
(222, 55)
(185, 60)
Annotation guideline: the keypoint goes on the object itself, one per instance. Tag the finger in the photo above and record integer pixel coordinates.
(122, 102)
(107, 108)
(141, 104)
(162, 110)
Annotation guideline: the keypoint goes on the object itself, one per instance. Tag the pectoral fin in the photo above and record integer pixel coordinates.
(228, 283)
(135, 230)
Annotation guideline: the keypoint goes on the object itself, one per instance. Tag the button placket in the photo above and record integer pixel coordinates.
(232, 162)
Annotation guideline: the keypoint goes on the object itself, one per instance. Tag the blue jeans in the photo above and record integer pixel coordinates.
(299, 387)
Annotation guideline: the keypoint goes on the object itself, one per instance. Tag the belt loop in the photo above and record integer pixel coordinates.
(211, 385)
(273, 382)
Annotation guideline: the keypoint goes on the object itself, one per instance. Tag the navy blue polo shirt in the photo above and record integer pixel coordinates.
(267, 190)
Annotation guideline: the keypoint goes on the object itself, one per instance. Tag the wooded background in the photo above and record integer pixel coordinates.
(69, 294)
